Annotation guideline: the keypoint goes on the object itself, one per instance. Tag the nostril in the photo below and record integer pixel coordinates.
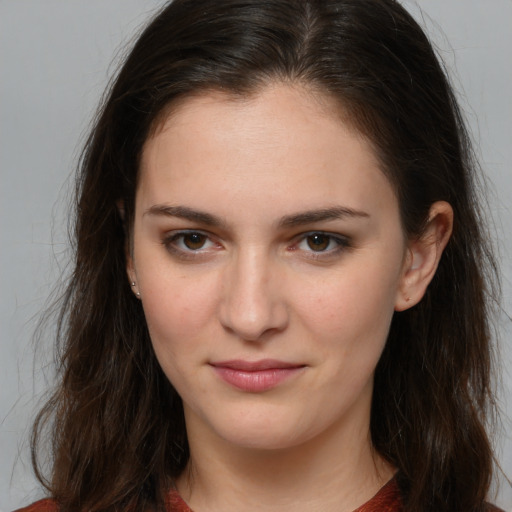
(253, 304)
(250, 323)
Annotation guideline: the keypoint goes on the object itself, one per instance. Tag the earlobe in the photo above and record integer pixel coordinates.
(423, 256)
(130, 271)
(130, 267)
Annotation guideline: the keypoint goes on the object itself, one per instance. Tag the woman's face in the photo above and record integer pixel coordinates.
(269, 255)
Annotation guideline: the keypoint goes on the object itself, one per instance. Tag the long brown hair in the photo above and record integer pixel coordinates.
(117, 427)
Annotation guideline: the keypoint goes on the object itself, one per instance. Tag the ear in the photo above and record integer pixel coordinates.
(423, 256)
(128, 252)
(130, 271)
(130, 268)
(121, 210)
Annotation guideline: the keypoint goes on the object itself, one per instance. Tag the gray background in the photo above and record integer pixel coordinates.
(55, 59)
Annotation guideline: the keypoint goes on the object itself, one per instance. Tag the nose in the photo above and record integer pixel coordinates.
(253, 304)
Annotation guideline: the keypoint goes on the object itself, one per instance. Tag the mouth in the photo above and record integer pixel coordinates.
(256, 376)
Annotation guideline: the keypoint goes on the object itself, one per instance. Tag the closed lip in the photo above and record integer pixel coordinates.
(256, 376)
(255, 366)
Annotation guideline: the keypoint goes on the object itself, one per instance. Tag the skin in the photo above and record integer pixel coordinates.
(265, 282)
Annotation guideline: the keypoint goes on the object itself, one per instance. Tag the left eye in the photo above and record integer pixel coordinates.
(320, 242)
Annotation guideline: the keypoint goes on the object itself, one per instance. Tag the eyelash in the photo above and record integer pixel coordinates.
(171, 242)
(341, 243)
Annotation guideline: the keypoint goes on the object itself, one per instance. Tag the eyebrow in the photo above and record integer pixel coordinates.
(184, 212)
(287, 221)
(323, 214)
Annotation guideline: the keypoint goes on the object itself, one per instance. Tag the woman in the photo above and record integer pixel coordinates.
(279, 298)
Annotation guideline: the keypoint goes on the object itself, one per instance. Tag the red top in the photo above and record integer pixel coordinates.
(386, 500)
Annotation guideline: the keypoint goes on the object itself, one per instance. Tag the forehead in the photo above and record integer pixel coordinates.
(283, 142)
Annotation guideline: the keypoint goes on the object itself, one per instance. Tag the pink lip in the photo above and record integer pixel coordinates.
(255, 376)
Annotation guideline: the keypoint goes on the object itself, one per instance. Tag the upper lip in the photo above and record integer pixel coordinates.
(254, 366)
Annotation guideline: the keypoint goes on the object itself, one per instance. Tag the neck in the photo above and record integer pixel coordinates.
(337, 471)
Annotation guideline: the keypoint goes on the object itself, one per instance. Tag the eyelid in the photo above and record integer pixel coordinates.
(183, 252)
(342, 242)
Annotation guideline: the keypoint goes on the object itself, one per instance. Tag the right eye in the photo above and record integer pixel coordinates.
(188, 243)
(192, 241)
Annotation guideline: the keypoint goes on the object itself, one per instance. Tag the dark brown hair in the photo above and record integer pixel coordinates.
(116, 421)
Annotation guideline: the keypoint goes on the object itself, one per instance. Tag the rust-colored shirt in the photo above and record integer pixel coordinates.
(386, 500)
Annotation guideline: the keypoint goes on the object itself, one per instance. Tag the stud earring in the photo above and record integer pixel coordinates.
(137, 293)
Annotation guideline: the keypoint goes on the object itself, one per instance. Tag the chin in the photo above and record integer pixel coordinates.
(271, 439)
(262, 430)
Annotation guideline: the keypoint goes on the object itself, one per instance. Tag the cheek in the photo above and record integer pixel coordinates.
(350, 309)
(177, 308)
(178, 314)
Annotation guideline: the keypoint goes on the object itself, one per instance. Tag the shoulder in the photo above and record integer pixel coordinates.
(386, 500)
(492, 508)
(46, 505)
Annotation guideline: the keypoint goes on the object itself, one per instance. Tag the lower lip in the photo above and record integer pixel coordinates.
(256, 381)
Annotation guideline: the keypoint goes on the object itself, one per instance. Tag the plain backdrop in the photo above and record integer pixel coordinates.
(55, 59)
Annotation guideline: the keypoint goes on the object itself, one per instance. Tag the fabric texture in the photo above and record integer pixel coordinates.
(40, 506)
(386, 500)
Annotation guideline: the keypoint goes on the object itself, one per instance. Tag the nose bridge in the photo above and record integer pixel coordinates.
(253, 303)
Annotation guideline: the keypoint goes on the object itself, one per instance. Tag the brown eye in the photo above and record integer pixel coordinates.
(194, 241)
(187, 245)
(318, 242)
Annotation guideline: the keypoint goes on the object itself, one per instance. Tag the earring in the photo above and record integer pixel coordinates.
(137, 293)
